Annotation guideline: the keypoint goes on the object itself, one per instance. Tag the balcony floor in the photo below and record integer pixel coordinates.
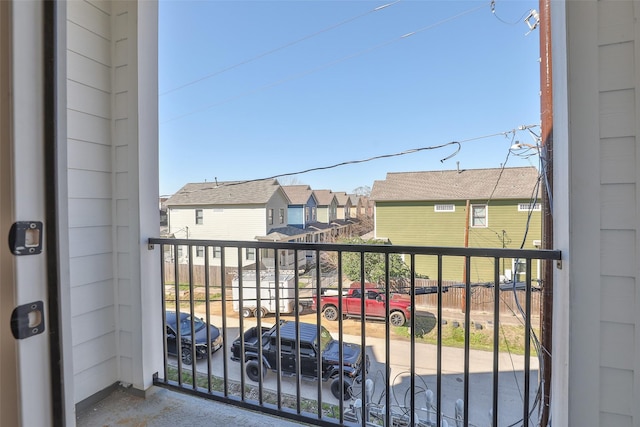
(166, 408)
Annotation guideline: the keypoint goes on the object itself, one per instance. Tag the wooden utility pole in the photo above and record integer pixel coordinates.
(464, 267)
(546, 154)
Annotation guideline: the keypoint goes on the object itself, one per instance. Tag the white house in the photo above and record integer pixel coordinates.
(226, 211)
(79, 154)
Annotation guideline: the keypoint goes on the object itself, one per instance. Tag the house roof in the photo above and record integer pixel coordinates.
(342, 198)
(225, 193)
(324, 197)
(298, 194)
(498, 183)
(282, 233)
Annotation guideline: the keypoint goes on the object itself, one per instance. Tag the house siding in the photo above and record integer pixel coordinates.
(105, 175)
(417, 223)
(597, 316)
(90, 166)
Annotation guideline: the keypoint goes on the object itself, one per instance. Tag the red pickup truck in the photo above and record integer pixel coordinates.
(374, 305)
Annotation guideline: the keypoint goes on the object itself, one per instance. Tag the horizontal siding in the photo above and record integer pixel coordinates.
(85, 127)
(97, 351)
(91, 269)
(92, 296)
(417, 223)
(90, 241)
(224, 223)
(101, 375)
(89, 212)
(92, 325)
(90, 190)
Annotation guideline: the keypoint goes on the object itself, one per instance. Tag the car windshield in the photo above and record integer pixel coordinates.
(325, 339)
(185, 325)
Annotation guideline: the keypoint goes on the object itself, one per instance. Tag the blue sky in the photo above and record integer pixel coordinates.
(254, 89)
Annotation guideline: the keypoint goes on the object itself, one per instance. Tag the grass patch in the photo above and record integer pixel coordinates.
(511, 337)
(251, 392)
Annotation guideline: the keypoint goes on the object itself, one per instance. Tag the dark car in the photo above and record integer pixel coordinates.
(200, 331)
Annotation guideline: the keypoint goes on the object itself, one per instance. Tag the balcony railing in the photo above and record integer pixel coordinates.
(445, 366)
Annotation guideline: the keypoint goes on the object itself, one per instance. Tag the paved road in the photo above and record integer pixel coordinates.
(511, 378)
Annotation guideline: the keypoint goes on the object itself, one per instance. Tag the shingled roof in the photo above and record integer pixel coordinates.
(342, 198)
(225, 193)
(507, 183)
(298, 194)
(324, 197)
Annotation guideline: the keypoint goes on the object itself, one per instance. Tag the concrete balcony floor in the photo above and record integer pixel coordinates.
(166, 408)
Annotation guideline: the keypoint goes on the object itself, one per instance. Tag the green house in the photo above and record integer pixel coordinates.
(488, 208)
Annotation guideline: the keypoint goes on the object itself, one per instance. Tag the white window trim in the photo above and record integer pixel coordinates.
(486, 216)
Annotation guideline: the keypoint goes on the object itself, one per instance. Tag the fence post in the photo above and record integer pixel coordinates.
(459, 412)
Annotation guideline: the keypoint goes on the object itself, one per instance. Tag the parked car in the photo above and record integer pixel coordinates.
(312, 348)
(375, 305)
(202, 348)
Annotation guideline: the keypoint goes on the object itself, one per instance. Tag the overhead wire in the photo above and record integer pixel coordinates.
(277, 49)
(324, 66)
(382, 156)
(518, 21)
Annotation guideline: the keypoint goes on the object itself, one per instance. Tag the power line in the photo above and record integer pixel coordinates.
(518, 21)
(277, 49)
(326, 65)
(382, 156)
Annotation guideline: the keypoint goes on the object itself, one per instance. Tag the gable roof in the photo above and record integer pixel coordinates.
(498, 183)
(324, 197)
(226, 193)
(342, 198)
(298, 194)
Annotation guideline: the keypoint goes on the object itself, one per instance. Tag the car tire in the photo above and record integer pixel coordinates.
(253, 370)
(246, 312)
(330, 313)
(260, 312)
(346, 389)
(397, 318)
(187, 356)
(300, 308)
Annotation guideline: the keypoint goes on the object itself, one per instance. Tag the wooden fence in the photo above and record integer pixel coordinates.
(481, 298)
(198, 274)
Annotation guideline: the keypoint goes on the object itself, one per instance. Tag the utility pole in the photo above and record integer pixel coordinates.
(464, 268)
(546, 154)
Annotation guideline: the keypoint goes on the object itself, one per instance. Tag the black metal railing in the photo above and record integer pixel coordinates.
(444, 366)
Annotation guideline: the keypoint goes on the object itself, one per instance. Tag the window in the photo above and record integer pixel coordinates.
(526, 207)
(199, 216)
(313, 214)
(479, 215)
(444, 208)
(270, 217)
(199, 251)
(217, 252)
(281, 216)
(250, 254)
(179, 251)
(307, 214)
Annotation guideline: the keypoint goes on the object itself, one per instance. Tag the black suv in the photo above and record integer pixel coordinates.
(312, 345)
(200, 331)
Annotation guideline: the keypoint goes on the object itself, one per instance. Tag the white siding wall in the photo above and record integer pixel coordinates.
(89, 151)
(597, 341)
(238, 222)
(108, 188)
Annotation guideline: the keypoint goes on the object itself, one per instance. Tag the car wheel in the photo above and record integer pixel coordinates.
(346, 389)
(261, 312)
(300, 308)
(246, 312)
(397, 318)
(187, 357)
(253, 370)
(330, 313)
